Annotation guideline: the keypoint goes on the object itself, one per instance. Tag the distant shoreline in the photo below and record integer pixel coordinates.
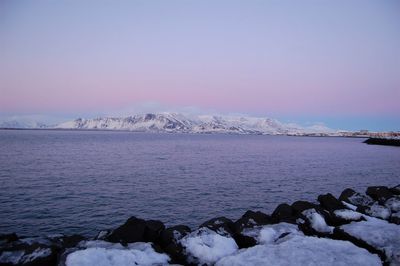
(186, 133)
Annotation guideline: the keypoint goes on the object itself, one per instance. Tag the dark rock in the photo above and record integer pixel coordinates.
(375, 210)
(395, 190)
(355, 198)
(300, 206)
(7, 238)
(395, 218)
(221, 225)
(251, 219)
(244, 241)
(173, 234)
(33, 254)
(132, 230)
(176, 253)
(153, 230)
(103, 234)
(305, 223)
(382, 141)
(283, 213)
(71, 241)
(329, 202)
(379, 193)
(169, 241)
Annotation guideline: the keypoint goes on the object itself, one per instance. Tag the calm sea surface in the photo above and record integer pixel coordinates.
(85, 181)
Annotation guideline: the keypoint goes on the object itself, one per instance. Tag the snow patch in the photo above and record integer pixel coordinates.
(101, 253)
(378, 211)
(301, 250)
(378, 233)
(205, 246)
(350, 206)
(317, 221)
(348, 214)
(393, 204)
(268, 234)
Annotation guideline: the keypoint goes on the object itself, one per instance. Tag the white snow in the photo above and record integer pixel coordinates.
(205, 246)
(348, 214)
(37, 253)
(317, 221)
(350, 206)
(19, 256)
(268, 234)
(12, 257)
(101, 253)
(378, 211)
(393, 204)
(379, 234)
(300, 250)
(361, 199)
(172, 122)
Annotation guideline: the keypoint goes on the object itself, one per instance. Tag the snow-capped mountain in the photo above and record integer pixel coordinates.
(22, 124)
(173, 122)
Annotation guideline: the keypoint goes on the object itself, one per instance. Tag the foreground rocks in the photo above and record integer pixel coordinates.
(354, 229)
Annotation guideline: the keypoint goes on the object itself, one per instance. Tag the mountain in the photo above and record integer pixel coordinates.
(178, 123)
(23, 124)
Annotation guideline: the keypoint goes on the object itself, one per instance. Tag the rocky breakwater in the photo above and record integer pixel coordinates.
(383, 141)
(355, 229)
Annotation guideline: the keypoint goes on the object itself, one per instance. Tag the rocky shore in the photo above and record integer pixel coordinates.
(355, 229)
(383, 141)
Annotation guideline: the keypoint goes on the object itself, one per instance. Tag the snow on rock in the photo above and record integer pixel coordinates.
(205, 246)
(317, 221)
(300, 250)
(348, 215)
(378, 211)
(349, 206)
(11, 257)
(101, 253)
(393, 204)
(269, 234)
(360, 199)
(20, 257)
(173, 122)
(379, 234)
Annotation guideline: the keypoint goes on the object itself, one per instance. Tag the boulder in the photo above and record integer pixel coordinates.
(395, 218)
(355, 198)
(300, 206)
(330, 203)
(29, 254)
(376, 210)
(169, 240)
(133, 230)
(312, 222)
(284, 213)
(379, 193)
(153, 230)
(395, 190)
(173, 234)
(251, 219)
(7, 238)
(221, 225)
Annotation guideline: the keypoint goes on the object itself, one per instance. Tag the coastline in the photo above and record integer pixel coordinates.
(345, 222)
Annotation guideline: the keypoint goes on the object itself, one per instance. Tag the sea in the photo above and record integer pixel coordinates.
(81, 182)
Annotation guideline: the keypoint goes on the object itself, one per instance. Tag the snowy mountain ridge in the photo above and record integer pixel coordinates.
(179, 123)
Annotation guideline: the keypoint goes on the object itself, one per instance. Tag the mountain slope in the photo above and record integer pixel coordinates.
(172, 122)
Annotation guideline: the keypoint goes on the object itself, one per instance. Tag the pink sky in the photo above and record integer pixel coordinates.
(314, 57)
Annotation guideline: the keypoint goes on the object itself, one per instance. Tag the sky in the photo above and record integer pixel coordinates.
(331, 62)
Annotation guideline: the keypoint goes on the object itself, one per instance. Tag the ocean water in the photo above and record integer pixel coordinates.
(84, 181)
